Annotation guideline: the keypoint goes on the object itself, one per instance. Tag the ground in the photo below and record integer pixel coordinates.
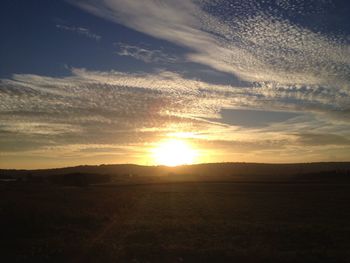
(176, 222)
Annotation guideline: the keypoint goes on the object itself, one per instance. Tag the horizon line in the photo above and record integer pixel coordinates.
(182, 165)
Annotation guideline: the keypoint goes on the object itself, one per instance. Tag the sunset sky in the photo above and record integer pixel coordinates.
(110, 81)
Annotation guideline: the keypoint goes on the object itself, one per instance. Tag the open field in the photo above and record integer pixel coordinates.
(176, 222)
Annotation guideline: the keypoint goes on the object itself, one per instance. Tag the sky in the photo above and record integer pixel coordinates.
(107, 81)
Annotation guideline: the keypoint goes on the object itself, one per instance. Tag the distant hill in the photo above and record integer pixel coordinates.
(244, 171)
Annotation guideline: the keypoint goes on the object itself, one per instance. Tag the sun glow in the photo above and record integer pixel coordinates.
(174, 152)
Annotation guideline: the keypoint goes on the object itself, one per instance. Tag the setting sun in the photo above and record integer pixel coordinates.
(174, 152)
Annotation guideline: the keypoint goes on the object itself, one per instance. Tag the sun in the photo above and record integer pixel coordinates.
(174, 152)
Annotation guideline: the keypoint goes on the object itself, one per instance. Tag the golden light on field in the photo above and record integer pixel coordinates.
(174, 152)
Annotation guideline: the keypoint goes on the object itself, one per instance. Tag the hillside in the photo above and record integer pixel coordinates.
(242, 171)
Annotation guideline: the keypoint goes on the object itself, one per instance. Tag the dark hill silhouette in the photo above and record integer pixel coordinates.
(239, 171)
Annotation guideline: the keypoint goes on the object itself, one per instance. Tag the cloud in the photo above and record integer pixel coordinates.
(254, 118)
(322, 139)
(163, 85)
(294, 107)
(144, 54)
(248, 38)
(119, 109)
(134, 96)
(80, 30)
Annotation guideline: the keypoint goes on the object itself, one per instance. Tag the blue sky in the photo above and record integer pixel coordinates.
(89, 82)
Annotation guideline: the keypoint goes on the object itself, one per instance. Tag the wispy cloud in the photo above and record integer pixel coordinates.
(80, 30)
(241, 37)
(292, 105)
(322, 139)
(134, 109)
(144, 54)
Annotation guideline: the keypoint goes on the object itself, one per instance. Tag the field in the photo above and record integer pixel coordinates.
(176, 222)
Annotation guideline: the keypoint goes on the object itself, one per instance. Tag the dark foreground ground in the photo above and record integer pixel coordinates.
(176, 222)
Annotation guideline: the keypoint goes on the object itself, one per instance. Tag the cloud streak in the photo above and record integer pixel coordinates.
(240, 37)
(134, 109)
(144, 54)
(296, 74)
(80, 31)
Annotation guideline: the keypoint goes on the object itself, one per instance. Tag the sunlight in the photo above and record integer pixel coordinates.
(174, 152)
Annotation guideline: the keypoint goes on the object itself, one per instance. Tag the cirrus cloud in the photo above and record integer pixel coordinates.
(129, 111)
(245, 38)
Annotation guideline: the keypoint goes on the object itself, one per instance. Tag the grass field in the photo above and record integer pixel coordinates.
(176, 222)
